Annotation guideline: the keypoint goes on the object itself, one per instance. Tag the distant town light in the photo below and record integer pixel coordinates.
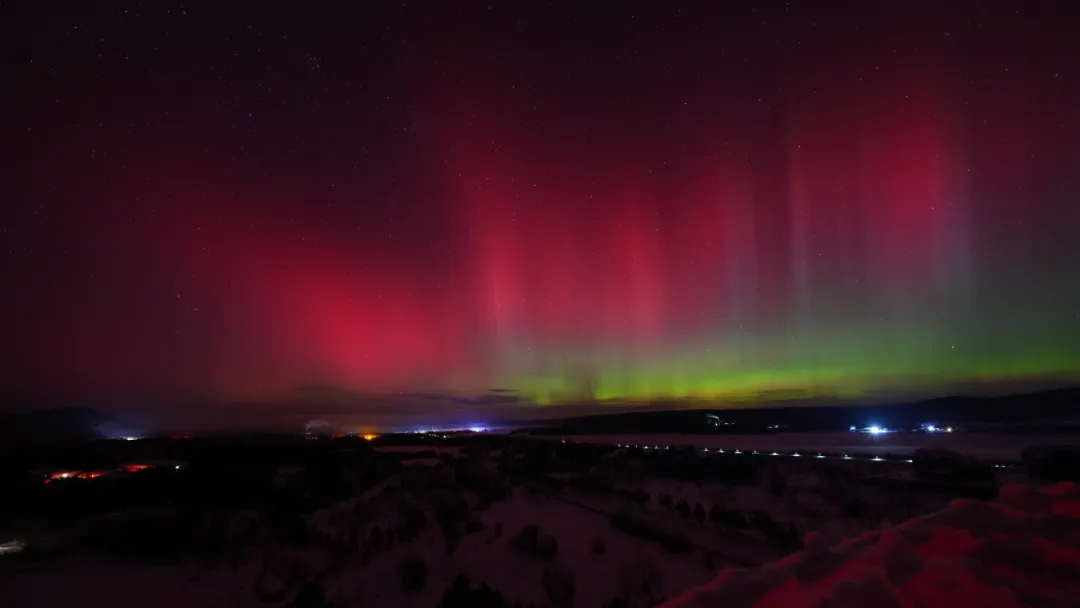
(876, 430)
(852, 428)
(948, 429)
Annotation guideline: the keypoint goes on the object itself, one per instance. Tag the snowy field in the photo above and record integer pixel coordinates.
(826, 498)
(483, 556)
(492, 558)
(997, 448)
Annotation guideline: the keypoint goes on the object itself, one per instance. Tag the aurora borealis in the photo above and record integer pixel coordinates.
(568, 203)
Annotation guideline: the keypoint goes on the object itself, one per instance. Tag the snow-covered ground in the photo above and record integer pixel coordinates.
(813, 495)
(827, 497)
(998, 448)
(484, 556)
(1023, 550)
(487, 557)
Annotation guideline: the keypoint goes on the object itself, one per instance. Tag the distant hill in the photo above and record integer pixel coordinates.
(1056, 410)
(55, 424)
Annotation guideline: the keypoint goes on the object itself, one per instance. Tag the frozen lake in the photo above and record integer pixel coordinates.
(1003, 448)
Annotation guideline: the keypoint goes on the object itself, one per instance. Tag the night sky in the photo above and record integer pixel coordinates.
(566, 202)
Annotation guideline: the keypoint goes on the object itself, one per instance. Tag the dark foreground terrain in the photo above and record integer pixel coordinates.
(457, 519)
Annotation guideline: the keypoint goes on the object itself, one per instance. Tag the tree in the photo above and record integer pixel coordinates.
(451, 537)
(528, 538)
(547, 546)
(684, 509)
(378, 542)
(413, 571)
(310, 596)
(716, 514)
(461, 594)
(708, 561)
(559, 586)
(598, 545)
(641, 582)
(699, 514)
(777, 485)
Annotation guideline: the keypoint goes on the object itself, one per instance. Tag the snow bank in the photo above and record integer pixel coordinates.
(1021, 550)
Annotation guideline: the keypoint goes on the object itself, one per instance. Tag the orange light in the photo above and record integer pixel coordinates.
(369, 437)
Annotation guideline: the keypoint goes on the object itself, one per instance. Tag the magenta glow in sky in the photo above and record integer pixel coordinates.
(567, 205)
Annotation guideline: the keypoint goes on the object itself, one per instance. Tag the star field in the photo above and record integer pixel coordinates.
(572, 201)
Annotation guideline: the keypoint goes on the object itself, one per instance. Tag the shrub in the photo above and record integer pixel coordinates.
(699, 514)
(683, 509)
(598, 545)
(777, 485)
(453, 510)
(413, 572)
(547, 546)
(310, 596)
(378, 541)
(451, 537)
(853, 508)
(708, 561)
(474, 525)
(414, 517)
(676, 543)
(559, 586)
(462, 594)
(641, 580)
(528, 538)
